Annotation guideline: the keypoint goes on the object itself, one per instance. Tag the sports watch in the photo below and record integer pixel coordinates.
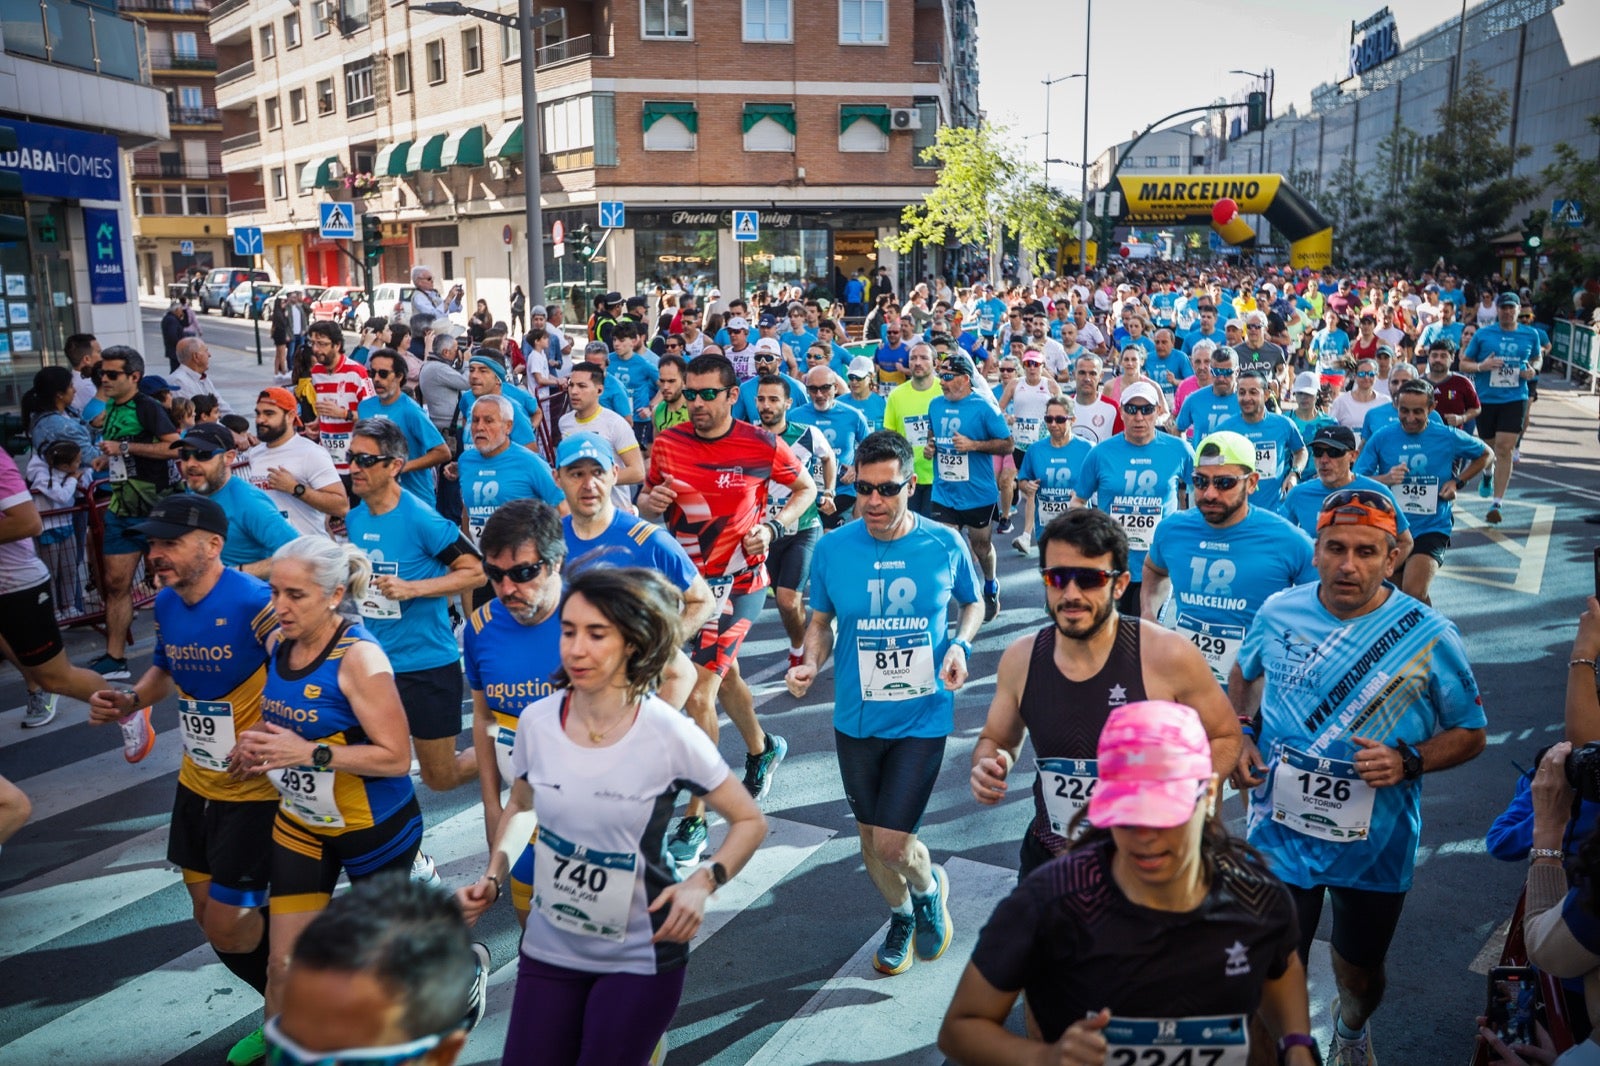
(299, 489)
(1410, 761)
(321, 755)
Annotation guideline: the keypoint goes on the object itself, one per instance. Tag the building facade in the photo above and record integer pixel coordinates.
(813, 115)
(75, 91)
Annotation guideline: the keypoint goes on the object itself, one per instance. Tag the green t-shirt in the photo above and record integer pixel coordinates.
(665, 417)
(906, 412)
(139, 482)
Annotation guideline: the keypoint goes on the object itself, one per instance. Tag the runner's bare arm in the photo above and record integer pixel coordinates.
(1000, 741)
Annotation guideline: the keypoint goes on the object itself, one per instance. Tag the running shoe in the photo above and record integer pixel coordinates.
(758, 769)
(423, 869)
(688, 841)
(659, 1055)
(1023, 544)
(250, 1050)
(1342, 1052)
(1516, 455)
(41, 710)
(111, 668)
(932, 915)
(1485, 486)
(1493, 517)
(991, 604)
(477, 995)
(1006, 526)
(138, 737)
(894, 955)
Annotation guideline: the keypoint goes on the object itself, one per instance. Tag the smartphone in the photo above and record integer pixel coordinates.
(1513, 1003)
(1597, 573)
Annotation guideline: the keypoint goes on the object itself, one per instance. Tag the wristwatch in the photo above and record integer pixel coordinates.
(963, 645)
(299, 489)
(718, 872)
(321, 755)
(1410, 761)
(1294, 1040)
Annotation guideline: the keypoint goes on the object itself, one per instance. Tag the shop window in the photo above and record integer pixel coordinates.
(675, 259)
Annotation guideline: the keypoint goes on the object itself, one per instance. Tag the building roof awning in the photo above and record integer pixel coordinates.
(682, 110)
(463, 148)
(506, 143)
(425, 154)
(318, 173)
(782, 114)
(877, 114)
(391, 161)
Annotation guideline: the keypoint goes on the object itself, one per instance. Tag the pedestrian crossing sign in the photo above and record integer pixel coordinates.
(1567, 213)
(746, 225)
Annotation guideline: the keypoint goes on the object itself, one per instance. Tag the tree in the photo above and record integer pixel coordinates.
(1574, 252)
(1464, 190)
(985, 192)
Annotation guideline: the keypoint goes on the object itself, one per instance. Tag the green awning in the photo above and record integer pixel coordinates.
(507, 143)
(463, 148)
(877, 114)
(682, 110)
(782, 114)
(391, 161)
(425, 154)
(318, 173)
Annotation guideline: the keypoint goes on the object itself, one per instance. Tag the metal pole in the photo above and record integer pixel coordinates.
(1047, 85)
(1083, 189)
(530, 154)
(255, 314)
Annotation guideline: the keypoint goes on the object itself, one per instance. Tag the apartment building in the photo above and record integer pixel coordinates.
(811, 113)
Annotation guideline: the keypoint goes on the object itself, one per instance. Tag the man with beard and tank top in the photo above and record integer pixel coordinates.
(1060, 683)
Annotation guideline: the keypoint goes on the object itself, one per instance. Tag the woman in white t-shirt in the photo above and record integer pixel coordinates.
(602, 963)
(1350, 408)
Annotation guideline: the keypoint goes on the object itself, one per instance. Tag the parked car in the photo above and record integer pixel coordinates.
(221, 282)
(238, 302)
(330, 305)
(393, 301)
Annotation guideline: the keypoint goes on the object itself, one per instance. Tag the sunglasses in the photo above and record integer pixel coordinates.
(766, 357)
(706, 394)
(383, 373)
(1008, 370)
(1321, 452)
(1358, 497)
(859, 377)
(1223, 482)
(1365, 374)
(1060, 420)
(1138, 408)
(521, 574)
(1087, 578)
(368, 460)
(112, 375)
(885, 489)
(1222, 371)
(281, 1051)
(819, 389)
(205, 455)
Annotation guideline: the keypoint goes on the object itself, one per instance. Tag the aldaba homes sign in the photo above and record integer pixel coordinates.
(64, 163)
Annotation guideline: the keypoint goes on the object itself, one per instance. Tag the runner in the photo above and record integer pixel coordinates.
(1502, 358)
(492, 473)
(1228, 555)
(601, 967)
(1333, 451)
(708, 482)
(297, 474)
(891, 712)
(212, 624)
(1280, 450)
(424, 442)
(256, 528)
(1205, 410)
(966, 429)
(1048, 470)
(844, 427)
(1060, 683)
(1156, 910)
(1418, 458)
(1454, 398)
(587, 416)
(1361, 691)
(864, 395)
(341, 384)
(672, 410)
(906, 413)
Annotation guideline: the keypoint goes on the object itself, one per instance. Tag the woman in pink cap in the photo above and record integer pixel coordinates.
(1156, 932)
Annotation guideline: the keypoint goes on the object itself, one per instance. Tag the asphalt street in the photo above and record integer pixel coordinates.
(100, 961)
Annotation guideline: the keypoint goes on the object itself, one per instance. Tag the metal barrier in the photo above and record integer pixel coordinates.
(1576, 346)
(72, 546)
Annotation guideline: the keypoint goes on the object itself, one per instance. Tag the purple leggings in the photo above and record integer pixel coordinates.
(563, 1017)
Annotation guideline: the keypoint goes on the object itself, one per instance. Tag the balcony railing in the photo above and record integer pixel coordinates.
(225, 7)
(243, 70)
(564, 51)
(193, 116)
(146, 169)
(75, 35)
(243, 140)
(167, 59)
(245, 207)
(166, 7)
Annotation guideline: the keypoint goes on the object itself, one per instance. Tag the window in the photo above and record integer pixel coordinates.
(190, 98)
(186, 45)
(325, 99)
(198, 200)
(863, 22)
(362, 160)
(605, 129)
(769, 127)
(436, 69)
(472, 50)
(297, 105)
(924, 138)
(767, 20)
(1149, 160)
(670, 126)
(291, 30)
(269, 42)
(400, 72)
(353, 15)
(358, 95)
(668, 20)
(280, 184)
(322, 16)
(567, 125)
(273, 113)
(863, 128)
(172, 199)
(510, 44)
(1174, 161)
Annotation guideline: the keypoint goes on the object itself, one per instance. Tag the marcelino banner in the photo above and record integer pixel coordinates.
(1218, 200)
(64, 163)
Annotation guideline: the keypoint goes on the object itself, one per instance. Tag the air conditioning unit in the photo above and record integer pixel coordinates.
(905, 118)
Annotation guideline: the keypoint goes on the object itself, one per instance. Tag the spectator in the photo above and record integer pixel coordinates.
(173, 323)
(425, 299)
(189, 379)
(519, 309)
(48, 413)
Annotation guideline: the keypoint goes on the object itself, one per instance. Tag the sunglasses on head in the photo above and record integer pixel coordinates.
(1222, 482)
(205, 455)
(706, 394)
(885, 489)
(367, 460)
(1138, 408)
(521, 574)
(1087, 578)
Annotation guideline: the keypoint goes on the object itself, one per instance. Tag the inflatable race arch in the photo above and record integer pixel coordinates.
(1220, 200)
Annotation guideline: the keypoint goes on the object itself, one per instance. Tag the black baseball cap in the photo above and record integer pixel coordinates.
(184, 512)
(1341, 437)
(213, 436)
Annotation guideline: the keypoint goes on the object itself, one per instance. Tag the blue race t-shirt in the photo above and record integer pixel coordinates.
(891, 600)
(1277, 439)
(513, 473)
(744, 408)
(637, 376)
(406, 542)
(871, 408)
(1398, 673)
(422, 436)
(256, 528)
(1204, 412)
(1304, 503)
(521, 428)
(629, 541)
(1518, 346)
(964, 480)
(1056, 470)
(1430, 457)
(1381, 415)
(844, 427)
(1176, 364)
(1137, 485)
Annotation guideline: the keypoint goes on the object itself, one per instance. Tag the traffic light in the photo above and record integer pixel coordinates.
(584, 238)
(1255, 112)
(1533, 233)
(12, 227)
(371, 238)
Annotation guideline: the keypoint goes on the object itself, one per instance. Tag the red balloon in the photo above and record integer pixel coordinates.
(1224, 211)
(1124, 251)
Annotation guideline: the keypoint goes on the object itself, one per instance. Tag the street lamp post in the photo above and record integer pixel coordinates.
(1083, 186)
(525, 22)
(1267, 82)
(1047, 83)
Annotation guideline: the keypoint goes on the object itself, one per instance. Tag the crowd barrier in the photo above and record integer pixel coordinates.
(72, 546)
(1576, 347)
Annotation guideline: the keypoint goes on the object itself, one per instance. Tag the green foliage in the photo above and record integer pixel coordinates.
(1574, 253)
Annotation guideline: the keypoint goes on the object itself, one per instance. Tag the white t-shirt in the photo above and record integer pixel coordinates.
(309, 463)
(614, 429)
(1094, 422)
(1351, 412)
(614, 802)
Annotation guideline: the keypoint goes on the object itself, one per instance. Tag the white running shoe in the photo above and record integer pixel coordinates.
(41, 710)
(138, 737)
(423, 869)
(1023, 544)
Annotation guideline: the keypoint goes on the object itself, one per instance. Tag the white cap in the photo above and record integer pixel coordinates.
(738, 322)
(862, 367)
(1306, 382)
(766, 346)
(1142, 390)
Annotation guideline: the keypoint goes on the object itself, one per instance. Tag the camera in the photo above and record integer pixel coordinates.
(1583, 771)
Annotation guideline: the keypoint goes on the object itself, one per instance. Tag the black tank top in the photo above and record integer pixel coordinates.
(1065, 717)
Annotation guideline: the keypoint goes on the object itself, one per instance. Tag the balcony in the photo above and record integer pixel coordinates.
(243, 140)
(243, 70)
(164, 60)
(165, 7)
(246, 207)
(228, 7)
(75, 35)
(565, 51)
(193, 116)
(146, 169)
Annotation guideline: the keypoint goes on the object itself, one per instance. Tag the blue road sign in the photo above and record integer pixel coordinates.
(613, 214)
(746, 225)
(247, 241)
(186, 247)
(338, 221)
(1567, 213)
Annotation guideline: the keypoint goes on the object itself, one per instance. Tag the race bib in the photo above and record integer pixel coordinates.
(117, 468)
(338, 445)
(1506, 376)
(895, 668)
(375, 605)
(1221, 1041)
(1418, 495)
(1267, 459)
(475, 524)
(589, 893)
(721, 592)
(1067, 785)
(1322, 798)
(505, 738)
(1138, 520)
(952, 467)
(208, 733)
(1219, 643)
(917, 432)
(307, 795)
(1049, 509)
(1025, 431)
